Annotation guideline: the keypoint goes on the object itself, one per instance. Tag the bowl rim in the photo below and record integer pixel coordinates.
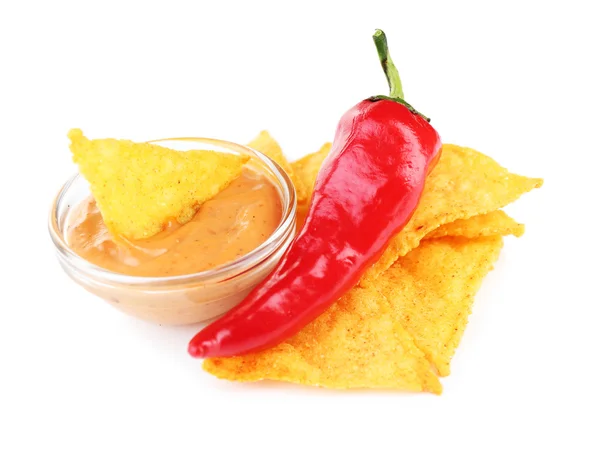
(217, 274)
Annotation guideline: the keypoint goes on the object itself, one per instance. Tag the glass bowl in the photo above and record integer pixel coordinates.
(181, 299)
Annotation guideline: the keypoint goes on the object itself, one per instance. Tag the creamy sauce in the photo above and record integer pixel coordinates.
(230, 225)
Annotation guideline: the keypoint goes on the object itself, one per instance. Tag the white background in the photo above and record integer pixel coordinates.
(516, 81)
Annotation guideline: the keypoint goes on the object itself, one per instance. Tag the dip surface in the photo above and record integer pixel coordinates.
(230, 225)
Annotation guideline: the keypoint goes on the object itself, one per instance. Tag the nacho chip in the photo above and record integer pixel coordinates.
(464, 183)
(432, 290)
(265, 144)
(365, 338)
(139, 188)
(496, 223)
(356, 343)
(491, 224)
(308, 167)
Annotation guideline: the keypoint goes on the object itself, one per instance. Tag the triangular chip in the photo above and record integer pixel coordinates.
(306, 170)
(432, 289)
(356, 343)
(140, 187)
(308, 167)
(365, 340)
(265, 144)
(463, 184)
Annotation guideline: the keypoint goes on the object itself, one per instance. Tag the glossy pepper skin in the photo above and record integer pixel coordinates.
(365, 193)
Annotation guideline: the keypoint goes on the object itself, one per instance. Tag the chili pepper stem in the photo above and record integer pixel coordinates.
(391, 73)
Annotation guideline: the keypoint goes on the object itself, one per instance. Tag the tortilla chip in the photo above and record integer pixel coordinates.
(139, 188)
(308, 167)
(356, 343)
(364, 340)
(464, 183)
(432, 290)
(496, 223)
(265, 144)
(491, 224)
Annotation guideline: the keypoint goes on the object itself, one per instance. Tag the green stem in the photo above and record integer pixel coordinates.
(391, 73)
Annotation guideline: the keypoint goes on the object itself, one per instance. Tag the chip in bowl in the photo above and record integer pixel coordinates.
(140, 187)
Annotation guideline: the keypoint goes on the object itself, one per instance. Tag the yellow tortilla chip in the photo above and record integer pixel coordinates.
(464, 183)
(490, 224)
(308, 167)
(496, 223)
(140, 187)
(366, 340)
(265, 144)
(356, 343)
(432, 290)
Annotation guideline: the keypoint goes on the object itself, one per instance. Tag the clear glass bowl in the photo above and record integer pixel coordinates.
(182, 299)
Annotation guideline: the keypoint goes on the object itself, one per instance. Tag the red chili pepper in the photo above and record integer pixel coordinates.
(365, 193)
